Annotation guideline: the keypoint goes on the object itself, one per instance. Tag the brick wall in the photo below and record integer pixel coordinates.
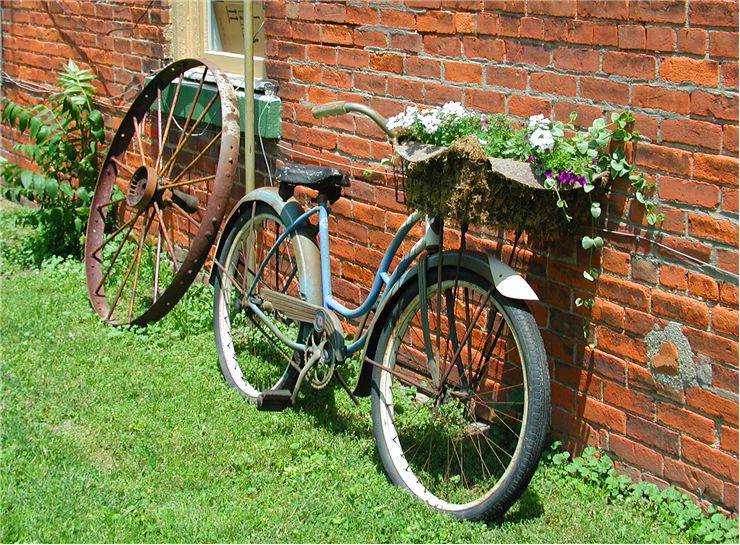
(660, 389)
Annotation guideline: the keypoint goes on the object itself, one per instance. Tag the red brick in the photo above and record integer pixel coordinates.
(439, 22)
(705, 226)
(621, 345)
(661, 98)
(636, 453)
(679, 308)
(693, 133)
(714, 105)
(513, 6)
(352, 57)
(548, 82)
(658, 11)
(697, 481)
(532, 27)
(728, 293)
(652, 434)
(688, 191)
(692, 40)
(397, 19)
(463, 72)
(640, 323)
(602, 414)
(464, 23)
(684, 69)
(696, 249)
(605, 34)
(523, 106)
(608, 313)
(709, 458)
(369, 38)
(586, 113)
(604, 89)
(715, 347)
(725, 320)
(521, 52)
(485, 100)
(406, 42)
(606, 9)
(406, 88)
(717, 168)
(484, 48)
(442, 46)
(729, 75)
(630, 400)
(633, 65)
(336, 34)
(670, 160)
(559, 8)
(686, 421)
(358, 15)
(673, 276)
(703, 286)
(423, 67)
(727, 260)
(613, 260)
(579, 60)
(645, 271)
(713, 13)
(723, 44)
(660, 38)
(386, 62)
(487, 23)
(728, 439)
(580, 32)
(632, 37)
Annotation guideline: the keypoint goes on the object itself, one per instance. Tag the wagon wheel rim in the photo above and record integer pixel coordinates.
(157, 206)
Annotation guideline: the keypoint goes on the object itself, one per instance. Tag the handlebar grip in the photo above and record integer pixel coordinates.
(328, 109)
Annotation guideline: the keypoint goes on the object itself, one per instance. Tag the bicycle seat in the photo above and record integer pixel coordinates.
(312, 176)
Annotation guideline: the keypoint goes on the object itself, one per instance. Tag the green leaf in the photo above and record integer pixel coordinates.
(596, 209)
(561, 203)
(598, 242)
(27, 179)
(587, 242)
(588, 188)
(35, 126)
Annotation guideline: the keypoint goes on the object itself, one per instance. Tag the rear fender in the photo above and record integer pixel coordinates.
(506, 280)
(305, 249)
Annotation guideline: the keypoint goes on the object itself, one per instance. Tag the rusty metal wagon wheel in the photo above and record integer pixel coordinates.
(162, 193)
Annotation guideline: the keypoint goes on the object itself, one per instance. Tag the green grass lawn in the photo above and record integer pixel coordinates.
(123, 436)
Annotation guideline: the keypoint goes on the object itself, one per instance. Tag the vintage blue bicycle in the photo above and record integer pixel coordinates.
(449, 352)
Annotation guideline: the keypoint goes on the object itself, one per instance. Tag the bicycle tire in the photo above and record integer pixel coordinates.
(247, 364)
(394, 423)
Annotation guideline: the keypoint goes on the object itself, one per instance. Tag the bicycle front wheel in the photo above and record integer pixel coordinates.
(461, 408)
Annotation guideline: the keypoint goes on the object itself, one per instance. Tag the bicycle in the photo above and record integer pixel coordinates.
(458, 378)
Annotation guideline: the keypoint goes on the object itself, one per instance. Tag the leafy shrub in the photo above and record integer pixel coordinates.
(669, 506)
(66, 136)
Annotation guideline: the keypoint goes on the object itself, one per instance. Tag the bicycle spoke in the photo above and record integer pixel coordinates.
(138, 262)
(190, 115)
(110, 203)
(168, 242)
(137, 132)
(123, 165)
(116, 254)
(187, 182)
(167, 127)
(197, 158)
(157, 253)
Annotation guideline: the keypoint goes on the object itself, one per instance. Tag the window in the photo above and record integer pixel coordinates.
(213, 29)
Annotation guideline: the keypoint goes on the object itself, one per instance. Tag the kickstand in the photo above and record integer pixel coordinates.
(344, 385)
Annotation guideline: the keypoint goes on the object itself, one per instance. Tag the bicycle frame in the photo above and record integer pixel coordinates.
(381, 278)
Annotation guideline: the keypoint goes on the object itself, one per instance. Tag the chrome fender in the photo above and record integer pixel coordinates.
(305, 248)
(507, 281)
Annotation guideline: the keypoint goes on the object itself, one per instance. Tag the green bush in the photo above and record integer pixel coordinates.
(65, 140)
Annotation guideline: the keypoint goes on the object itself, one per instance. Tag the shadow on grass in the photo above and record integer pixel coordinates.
(321, 406)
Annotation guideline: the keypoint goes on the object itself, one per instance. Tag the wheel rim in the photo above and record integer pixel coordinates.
(455, 455)
(251, 355)
(161, 193)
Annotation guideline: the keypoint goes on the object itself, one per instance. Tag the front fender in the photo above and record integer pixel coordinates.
(507, 281)
(304, 244)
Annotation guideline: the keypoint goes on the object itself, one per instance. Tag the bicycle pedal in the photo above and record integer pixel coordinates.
(274, 400)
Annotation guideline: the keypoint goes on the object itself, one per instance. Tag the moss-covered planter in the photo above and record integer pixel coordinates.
(461, 183)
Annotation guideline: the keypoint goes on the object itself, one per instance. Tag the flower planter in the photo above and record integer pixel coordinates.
(460, 182)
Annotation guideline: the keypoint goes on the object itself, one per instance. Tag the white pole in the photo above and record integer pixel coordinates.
(249, 160)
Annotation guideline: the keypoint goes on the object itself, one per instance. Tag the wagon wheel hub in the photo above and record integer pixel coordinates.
(142, 187)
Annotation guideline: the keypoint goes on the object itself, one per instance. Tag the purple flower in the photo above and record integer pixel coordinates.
(526, 137)
(548, 173)
(582, 180)
(530, 158)
(483, 120)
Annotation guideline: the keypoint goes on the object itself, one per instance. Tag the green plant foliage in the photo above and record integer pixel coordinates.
(65, 139)
(671, 507)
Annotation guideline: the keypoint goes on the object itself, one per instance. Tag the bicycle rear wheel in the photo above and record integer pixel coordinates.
(465, 432)
(251, 356)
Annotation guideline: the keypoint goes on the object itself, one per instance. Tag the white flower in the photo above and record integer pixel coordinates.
(453, 109)
(430, 119)
(542, 139)
(538, 121)
(404, 119)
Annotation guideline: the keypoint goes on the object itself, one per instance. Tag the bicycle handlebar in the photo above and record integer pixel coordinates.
(338, 108)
